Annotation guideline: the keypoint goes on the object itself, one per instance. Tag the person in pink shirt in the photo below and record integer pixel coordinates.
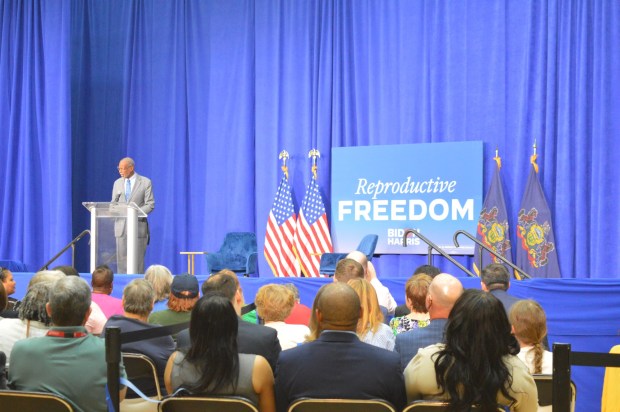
(102, 283)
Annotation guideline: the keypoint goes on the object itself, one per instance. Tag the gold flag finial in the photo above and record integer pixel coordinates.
(284, 157)
(534, 157)
(498, 159)
(314, 154)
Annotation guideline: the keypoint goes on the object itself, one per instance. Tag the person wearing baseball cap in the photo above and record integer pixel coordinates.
(184, 293)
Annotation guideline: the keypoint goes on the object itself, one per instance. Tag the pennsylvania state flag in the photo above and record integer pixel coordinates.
(537, 253)
(493, 224)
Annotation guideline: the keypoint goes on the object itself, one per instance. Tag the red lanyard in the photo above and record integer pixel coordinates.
(63, 334)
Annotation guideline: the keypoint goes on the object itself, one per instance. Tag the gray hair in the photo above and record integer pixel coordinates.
(69, 301)
(33, 304)
(45, 276)
(160, 278)
(293, 288)
(129, 161)
(138, 297)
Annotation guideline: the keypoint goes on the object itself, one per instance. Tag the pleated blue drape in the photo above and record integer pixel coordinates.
(204, 95)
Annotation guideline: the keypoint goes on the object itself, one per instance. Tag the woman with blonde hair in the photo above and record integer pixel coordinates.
(313, 323)
(370, 327)
(160, 278)
(529, 325)
(274, 303)
(416, 290)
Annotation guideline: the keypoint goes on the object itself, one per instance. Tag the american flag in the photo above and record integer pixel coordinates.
(312, 235)
(280, 233)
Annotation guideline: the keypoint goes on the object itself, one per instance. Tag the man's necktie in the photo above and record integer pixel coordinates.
(127, 189)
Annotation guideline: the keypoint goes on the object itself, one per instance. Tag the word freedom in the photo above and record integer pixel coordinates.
(427, 186)
(400, 209)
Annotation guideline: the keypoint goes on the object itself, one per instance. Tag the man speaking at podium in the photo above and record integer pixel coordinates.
(131, 187)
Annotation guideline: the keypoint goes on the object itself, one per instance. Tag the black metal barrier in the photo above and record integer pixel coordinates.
(563, 358)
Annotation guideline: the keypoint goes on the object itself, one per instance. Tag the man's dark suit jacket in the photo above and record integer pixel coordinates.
(251, 338)
(506, 299)
(338, 365)
(408, 343)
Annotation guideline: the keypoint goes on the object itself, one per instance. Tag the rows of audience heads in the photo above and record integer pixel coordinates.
(475, 342)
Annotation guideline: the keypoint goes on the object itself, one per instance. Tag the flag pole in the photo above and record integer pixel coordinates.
(284, 156)
(314, 154)
(533, 158)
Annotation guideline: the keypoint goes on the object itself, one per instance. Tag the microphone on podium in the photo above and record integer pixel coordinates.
(118, 196)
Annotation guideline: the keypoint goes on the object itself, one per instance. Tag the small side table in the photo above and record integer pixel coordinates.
(190, 260)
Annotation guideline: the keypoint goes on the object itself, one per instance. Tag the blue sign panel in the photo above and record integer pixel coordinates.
(434, 188)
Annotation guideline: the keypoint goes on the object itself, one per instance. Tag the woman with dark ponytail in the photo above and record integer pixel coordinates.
(212, 364)
(477, 364)
(529, 324)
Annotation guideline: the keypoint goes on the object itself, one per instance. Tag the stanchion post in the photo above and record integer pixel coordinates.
(561, 377)
(113, 359)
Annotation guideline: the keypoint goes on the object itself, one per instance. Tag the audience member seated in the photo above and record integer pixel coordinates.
(300, 315)
(416, 290)
(160, 278)
(183, 297)
(251, 337)
(529, 325)
(347, 269)
(103, 283)
(12, 304)
(137, 300)
(212, 364)
(33, 318)
(313, 324)
(383, 294)
(274, 304)
(45, 276)
(478, 362)
(370, 327)
(68, 361)
(249, 316)
(338, 364)
(495, 279)
(432, 271)
(97, 318)
(443, 291)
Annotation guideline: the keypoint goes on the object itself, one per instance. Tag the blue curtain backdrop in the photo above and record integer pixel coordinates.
(204, 95)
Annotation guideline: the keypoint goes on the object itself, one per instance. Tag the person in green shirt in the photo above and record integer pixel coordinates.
(68, 361)
(183, 296)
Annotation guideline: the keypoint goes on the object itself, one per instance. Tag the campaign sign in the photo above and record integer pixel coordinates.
(433, 188)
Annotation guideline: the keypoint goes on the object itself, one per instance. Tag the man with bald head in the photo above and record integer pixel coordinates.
(443, 292)
(384, 296)
(338, 364)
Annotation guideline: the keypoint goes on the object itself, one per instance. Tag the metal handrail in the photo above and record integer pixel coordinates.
(69, 245)
(488, 249)
(432, 246)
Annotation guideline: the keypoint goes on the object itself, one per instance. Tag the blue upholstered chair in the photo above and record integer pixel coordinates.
(329, 260)
(238, 253)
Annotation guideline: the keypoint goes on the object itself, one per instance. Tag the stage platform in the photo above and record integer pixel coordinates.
(582, 312)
